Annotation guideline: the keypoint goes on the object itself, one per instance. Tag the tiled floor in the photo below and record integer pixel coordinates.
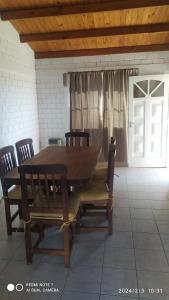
(103, 267)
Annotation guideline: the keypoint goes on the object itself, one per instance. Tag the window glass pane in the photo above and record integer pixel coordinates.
(159, 91)
(144, 85)
(138, 93)
(153, 85)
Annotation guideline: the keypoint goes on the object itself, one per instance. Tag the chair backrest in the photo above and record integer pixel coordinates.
(7, 163)
(44, 181)
(77, 139)
(7, 160)
(110, 169)
(24, 149)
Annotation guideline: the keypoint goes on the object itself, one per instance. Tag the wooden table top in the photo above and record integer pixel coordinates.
(80, 162)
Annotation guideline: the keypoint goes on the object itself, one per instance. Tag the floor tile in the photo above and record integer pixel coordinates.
(3, 264)
(163, 227)
(87, 254)
(141, 225)
(8, 248)
(161, 214)
(136, 188)
(141, 213)
(108, 297)
(52, 239)
(50, 259)
(119, 239)
(94, 221)
(42, 296)
(122, 212)
(151, 260)
(114, 280)
(160, 204)
(146, 204)
(167, 254)
(20, 254)
(81, 296)
(84, 279)
(149, 241)
(93, 237)
(153, 280)
(120, 224)
(119, 258)
(121, 193)
(165, 240)
(148, 196)
(55, 273)
(16, 272)
(121, 202)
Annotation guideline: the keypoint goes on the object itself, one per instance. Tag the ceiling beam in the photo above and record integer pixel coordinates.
(102, 51)
(49, 36)
(61, 10)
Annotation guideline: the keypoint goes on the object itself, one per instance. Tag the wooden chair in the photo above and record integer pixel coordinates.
(11, 194)
(49, 206)
(98, 140)
(99, 195)
(101, 170)
(24, 149)
(77, 139)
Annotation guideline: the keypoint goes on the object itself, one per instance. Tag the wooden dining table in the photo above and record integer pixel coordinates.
(80, 163)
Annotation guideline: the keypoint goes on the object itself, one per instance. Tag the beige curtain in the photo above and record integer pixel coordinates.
(86, 108)
(115, 108)
(99, 105)
(85, 100)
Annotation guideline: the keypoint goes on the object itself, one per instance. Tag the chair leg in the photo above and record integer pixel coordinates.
(8, 217)
(67, 246)
(28, 243)
(110, 221)
(20, 212)
(77, 224)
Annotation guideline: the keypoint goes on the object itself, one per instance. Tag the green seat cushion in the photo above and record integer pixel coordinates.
(73, 207)
(95, 191)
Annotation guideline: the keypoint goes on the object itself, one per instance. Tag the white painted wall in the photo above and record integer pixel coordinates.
(18, 100)
(53, 97)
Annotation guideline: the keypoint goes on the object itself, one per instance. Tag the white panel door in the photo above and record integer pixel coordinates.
(148, 114)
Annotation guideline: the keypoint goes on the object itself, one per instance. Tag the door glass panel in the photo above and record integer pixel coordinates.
(156, 128)
(144, 85)
(159, 92)
(137, 92)
(153, 85)
(138, 130)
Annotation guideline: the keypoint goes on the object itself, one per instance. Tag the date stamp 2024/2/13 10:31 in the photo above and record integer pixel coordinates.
(137, 291)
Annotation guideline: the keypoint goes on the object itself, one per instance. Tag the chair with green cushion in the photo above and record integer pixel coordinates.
(49, 208)
(11, 194)
(98, 194)
(101, 170)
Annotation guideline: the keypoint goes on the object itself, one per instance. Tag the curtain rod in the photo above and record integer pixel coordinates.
(66, 76)
(102, 70)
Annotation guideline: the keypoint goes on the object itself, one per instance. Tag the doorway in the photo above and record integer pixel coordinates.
(148, 115)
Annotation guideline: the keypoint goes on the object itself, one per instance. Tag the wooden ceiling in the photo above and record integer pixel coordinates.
(62, 28)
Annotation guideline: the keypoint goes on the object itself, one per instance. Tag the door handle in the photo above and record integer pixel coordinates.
(131, 124)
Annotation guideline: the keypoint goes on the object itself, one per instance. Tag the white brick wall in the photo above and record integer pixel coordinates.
(18, 101)
(53, 97)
